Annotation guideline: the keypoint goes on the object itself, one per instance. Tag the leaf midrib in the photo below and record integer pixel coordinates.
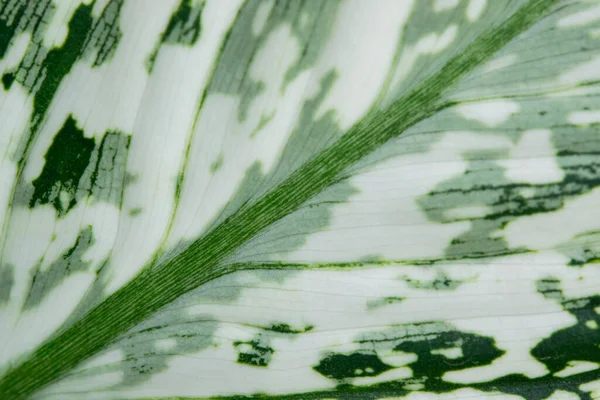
(158, 286)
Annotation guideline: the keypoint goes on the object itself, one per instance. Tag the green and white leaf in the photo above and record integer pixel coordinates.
(300, 199)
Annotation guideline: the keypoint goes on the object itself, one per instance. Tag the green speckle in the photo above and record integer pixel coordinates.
(66, 160)
(135, 211)
(384, 301)
(217, 164)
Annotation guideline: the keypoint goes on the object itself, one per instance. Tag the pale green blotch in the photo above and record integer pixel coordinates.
(483, 183)
(7, 280)
(382, 302)
(310, 135)
(107, 178)
(24, 16)
(70, 262)
(217, 164)
(148, 347)
(310, 24)
(291, 232)
(169, 334)
(104, 37)
(66, 161)
(135, 211)
(264, 120)
(420, 51)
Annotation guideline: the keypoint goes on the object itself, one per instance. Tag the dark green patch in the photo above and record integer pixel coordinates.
(577, 342)
(342, 366)
(7, 80)
(59, 62)
(285, 328)
(259, 354)
(66, 160)
(184, 25)
(477, 351)
(264, 120)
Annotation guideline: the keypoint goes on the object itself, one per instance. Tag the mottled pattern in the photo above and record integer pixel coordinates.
(299, 199)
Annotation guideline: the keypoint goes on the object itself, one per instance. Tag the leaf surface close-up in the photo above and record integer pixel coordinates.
(299, 199)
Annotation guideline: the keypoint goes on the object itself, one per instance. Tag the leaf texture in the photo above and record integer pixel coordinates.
(286, 199)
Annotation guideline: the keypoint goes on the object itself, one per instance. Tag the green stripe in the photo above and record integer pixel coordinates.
(159, 285)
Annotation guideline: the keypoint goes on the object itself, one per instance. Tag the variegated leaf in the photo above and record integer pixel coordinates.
(300, 199)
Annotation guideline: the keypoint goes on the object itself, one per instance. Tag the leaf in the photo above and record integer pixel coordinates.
(299, 199)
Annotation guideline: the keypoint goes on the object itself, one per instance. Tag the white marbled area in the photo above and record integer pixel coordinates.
(497, 299)
(475, 9)
(580, 18)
